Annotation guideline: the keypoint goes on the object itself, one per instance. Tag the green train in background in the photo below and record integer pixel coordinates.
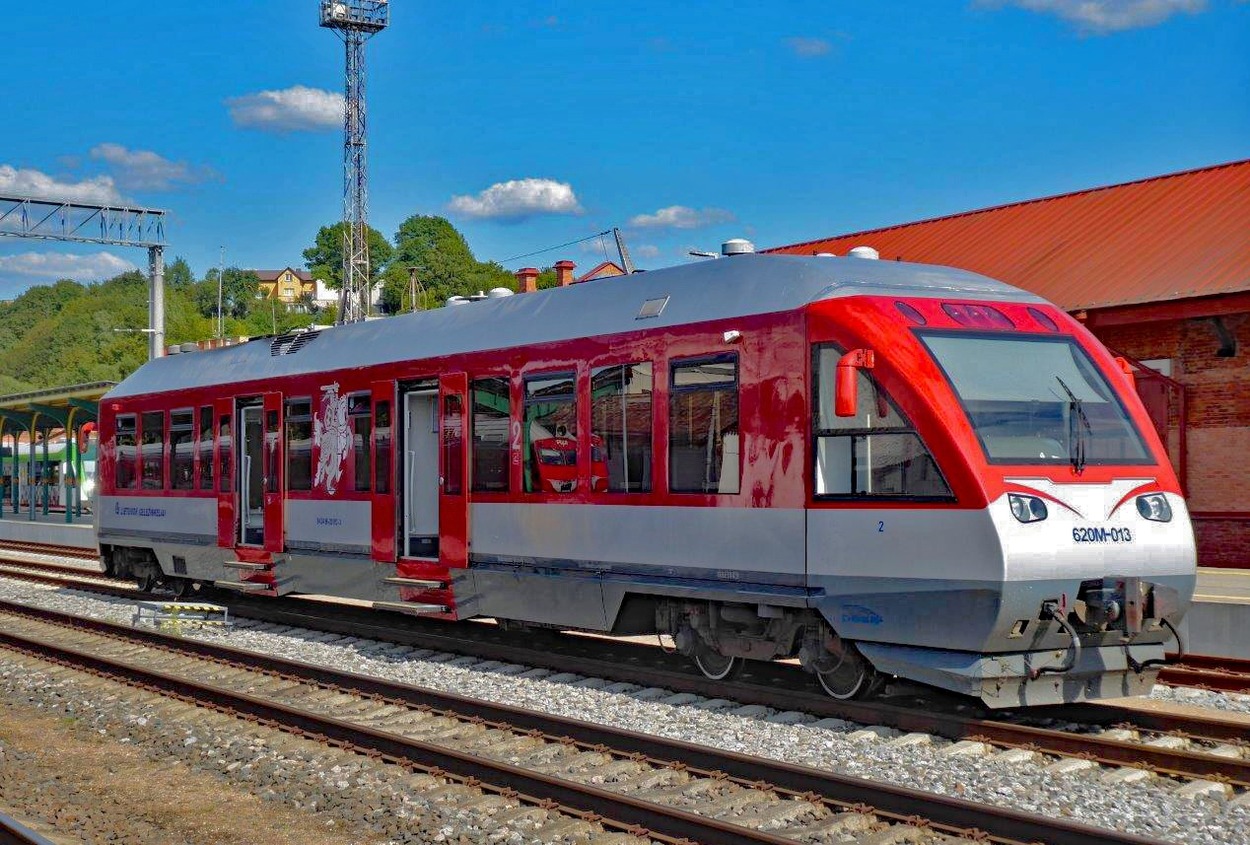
(53, 481)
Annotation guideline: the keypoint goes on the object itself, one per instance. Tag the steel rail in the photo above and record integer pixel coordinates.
(1225, 674)
(49, 549)
(898, 804)
(13, 832)
(780, 694)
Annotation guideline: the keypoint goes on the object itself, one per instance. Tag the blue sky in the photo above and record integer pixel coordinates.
(533, 124)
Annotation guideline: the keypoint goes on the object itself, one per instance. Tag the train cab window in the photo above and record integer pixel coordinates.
(126, 454)
(182, 449)
(152, 450)
(206, 448)
(620, 429)
(360, 416)
(490, 435)
(703, 444)
(875, 453)
(225, 453)
(550, 432)
(299, 432)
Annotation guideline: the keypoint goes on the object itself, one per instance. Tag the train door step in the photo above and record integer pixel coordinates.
(418, 583)
(175, 613)
(411, 607)
(245, 586)
(251, 566)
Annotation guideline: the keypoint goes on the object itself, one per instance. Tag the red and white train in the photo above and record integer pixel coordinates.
(885, 469)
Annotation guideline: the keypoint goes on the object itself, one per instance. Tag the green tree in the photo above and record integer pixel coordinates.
(238, 290)
(445, 264)
(324, 258)
(178, 275)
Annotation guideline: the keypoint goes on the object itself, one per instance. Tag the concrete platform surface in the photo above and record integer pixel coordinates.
(51, 529)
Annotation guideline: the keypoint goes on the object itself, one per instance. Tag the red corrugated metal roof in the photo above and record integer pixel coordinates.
(1169, 237)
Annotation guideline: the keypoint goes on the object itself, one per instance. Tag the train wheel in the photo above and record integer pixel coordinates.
(850, 676)
(147, 582)
(714, 665)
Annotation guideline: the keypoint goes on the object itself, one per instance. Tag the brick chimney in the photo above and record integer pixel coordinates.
(564, 273)
(527, 277)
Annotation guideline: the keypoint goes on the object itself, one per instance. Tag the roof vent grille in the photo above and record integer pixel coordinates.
(291, 342)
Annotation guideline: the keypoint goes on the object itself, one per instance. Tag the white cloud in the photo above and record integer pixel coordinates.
(144, 170)
(34, 183)
(808, 47)
(518, 199)
(294, 109)
(648, 251)
(32, 266)
(1104, 16)
(682, 217)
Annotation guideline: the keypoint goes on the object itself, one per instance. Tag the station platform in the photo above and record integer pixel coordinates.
(51, 529)
(1219, 621)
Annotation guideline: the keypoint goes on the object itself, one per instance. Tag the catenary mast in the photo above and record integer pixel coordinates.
(355, 21)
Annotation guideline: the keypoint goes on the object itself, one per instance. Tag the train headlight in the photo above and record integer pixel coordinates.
(1027, 508)
(1154, 507)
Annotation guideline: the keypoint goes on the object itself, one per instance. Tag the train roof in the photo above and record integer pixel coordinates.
(738, 286)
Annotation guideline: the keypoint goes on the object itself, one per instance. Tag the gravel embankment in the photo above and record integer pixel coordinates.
(1121, 799)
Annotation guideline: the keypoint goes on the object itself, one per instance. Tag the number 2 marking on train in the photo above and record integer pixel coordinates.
(880, 526)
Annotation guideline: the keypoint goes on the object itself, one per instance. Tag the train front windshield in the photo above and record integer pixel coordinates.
(1037, 400)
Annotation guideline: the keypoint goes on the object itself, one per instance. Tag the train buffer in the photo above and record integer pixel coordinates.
(173, 615)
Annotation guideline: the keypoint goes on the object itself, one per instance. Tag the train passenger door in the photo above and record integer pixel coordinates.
(453, 491)
(249, 472)
(224, 471)
(420, 470)
(259, 472)
(274, 539)
(383, 497)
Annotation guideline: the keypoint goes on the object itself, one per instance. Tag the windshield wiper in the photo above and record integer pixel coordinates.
(1078, 427)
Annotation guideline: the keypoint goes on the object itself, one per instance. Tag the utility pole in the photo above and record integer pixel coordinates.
(156, 302)
(627, 263)
(355, 21)
(221, 271)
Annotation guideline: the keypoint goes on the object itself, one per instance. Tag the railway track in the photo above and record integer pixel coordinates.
(1186, 746)
(626, 781)
(1222, 674)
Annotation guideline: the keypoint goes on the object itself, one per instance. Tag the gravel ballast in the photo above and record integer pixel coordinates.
(182, 755)
(1148, 805)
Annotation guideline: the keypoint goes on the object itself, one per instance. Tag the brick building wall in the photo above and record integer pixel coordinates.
(1217, 398)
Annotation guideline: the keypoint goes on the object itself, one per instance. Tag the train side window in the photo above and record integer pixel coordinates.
(620, 429)
(206, 448)
(550, 433)
(360, 416)
(126, 454)
(152, 450)
(875, 453)
(182, 449)
(703, 444)
(299, 431)
(382, 446)
(491, 421)
(225, 453)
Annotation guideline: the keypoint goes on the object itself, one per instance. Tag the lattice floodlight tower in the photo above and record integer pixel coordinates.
(355, 21)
